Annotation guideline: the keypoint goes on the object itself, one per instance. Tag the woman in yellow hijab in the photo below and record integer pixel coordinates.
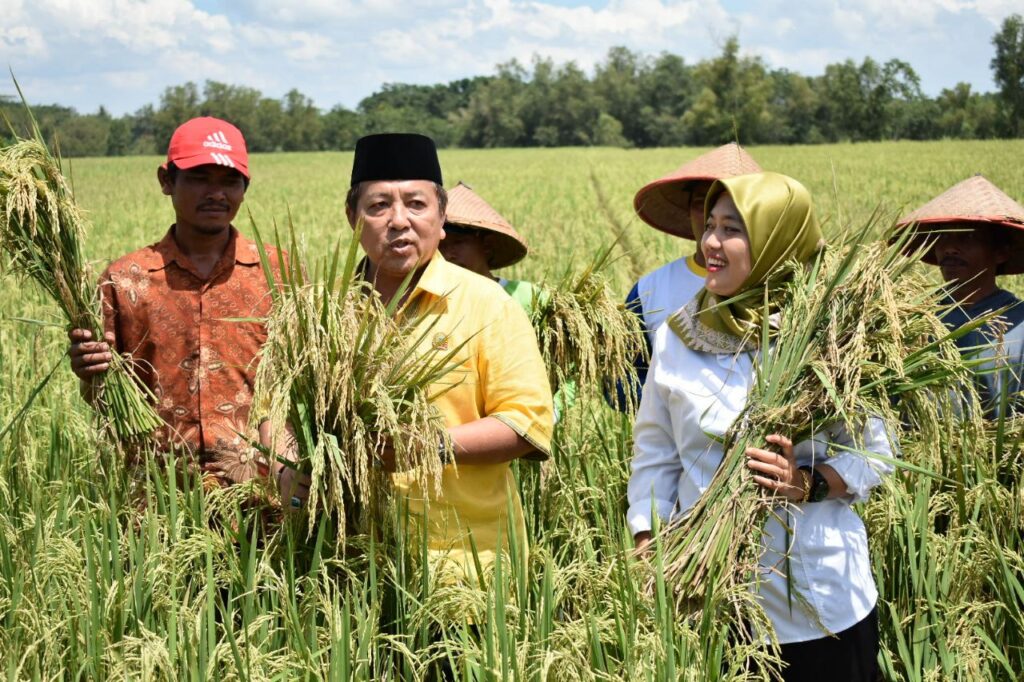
(701, 375)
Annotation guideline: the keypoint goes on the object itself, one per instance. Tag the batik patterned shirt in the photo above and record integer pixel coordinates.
(183, 334)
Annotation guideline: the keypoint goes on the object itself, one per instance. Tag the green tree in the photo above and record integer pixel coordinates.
(732, 102)
(559, 106)
(965, 114)
(178, 104)
(608, 132)
(492, 118)
(239, 105)
(794, 103)
(618, 82)
(303, 129)
(84, 135)
(1008, 72)
(668, 90)
(119, 140)
(341, 128)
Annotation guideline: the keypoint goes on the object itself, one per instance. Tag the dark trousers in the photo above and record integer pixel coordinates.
(850, 656)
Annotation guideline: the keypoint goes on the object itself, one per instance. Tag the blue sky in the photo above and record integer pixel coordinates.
(123, 53)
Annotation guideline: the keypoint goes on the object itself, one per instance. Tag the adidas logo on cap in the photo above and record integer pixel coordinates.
(222, 159)
(218, 140)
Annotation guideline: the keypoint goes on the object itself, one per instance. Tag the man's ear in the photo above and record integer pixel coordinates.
(164, 178)
(351, 216)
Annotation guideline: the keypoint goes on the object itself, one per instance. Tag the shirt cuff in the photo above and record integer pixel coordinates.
(638, 517)
(859, 473)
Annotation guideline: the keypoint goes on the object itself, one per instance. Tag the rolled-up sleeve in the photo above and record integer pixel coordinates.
(656, 466)
(857, 463)
(515, 383)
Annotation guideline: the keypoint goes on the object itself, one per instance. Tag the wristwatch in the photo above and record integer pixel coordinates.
(444, 453)
(819, 485)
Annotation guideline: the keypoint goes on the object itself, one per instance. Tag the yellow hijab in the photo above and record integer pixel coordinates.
(781, 227)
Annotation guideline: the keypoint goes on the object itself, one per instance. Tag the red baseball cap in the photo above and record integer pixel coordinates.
(208, 140)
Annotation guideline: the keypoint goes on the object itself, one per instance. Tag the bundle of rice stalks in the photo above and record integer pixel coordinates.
(41, 232)
(342, 371)
(860, 335)
(585, 333)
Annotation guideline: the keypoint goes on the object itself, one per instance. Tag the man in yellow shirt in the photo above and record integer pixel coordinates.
(498, 405)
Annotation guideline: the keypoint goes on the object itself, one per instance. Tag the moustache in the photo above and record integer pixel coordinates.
(213, 206)
(952, 261)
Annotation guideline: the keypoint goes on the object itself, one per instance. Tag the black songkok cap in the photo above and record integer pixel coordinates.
(395, 156)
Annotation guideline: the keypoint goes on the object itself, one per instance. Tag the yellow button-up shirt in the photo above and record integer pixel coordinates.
(501, 375)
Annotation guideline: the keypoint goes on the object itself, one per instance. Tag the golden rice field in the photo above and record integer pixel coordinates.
(193, 590)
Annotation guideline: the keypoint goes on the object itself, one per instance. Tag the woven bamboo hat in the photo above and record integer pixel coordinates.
(665, 203)
(976, 201)
(467, 209)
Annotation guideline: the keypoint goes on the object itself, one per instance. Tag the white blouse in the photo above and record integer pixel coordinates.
(663, 291)
(692, 397)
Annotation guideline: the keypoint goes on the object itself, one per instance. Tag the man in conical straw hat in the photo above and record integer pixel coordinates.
(480, 239)
(978, 235)
(674, 204)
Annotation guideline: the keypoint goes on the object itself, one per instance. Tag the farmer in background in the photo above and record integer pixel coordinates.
(674, 204)
(479, 239)
(168, 307)
(498, 405)
(978, 234)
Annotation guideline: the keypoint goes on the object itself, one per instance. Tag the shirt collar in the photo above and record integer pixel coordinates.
(437, 278)
(691, 262)
(239, 250)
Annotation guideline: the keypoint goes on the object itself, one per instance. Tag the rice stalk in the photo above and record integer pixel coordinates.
(585, 333)
(41, 232)
(860, 335)
(342, 371)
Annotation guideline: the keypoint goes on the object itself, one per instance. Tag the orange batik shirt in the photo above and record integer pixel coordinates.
(177, 328)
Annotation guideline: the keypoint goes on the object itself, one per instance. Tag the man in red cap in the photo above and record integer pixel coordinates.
(168, 307)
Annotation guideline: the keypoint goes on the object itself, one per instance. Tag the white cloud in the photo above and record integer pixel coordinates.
(141, 26)
(997, 10)
(124, 52)
(301, 46)
(807, 60)
(911, 16)
(22, 41)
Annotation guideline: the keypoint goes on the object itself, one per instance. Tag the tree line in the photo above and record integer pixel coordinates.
(630, 100)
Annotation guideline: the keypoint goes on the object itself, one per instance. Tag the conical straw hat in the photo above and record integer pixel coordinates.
(665, 203)
(466, 208)
(977, 201)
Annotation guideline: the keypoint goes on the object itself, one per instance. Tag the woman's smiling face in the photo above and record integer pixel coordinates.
(726, 248)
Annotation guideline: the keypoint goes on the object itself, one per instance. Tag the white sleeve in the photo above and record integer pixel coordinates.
(656, 465)
(859, 470)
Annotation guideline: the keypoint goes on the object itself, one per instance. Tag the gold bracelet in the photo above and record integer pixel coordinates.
(808, 481)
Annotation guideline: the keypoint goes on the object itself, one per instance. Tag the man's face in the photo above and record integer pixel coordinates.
(205, 198)
(469, 250)
(402, 224)
(698, 193)
(968, 256)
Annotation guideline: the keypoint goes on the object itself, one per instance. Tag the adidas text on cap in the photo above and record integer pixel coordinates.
(207, 140)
